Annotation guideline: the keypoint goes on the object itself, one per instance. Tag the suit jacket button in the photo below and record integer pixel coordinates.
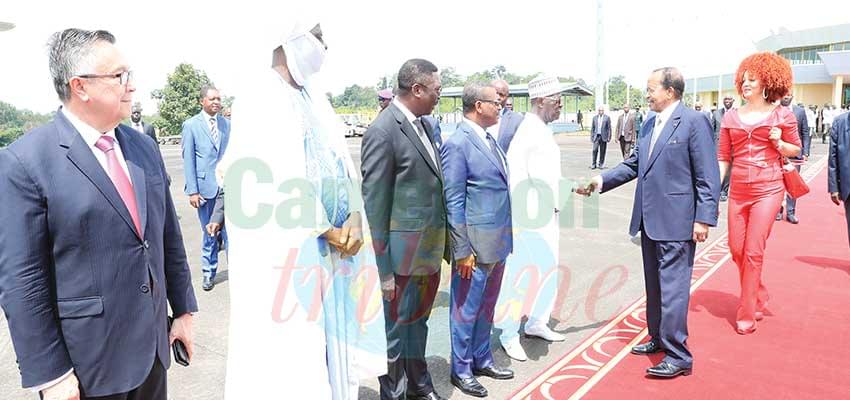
(147, 245)
(144, 288)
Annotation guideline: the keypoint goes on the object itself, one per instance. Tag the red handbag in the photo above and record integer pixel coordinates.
(794, 183)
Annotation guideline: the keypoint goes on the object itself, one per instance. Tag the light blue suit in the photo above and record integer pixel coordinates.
(678, 184)
(479, 213)
(201, 155)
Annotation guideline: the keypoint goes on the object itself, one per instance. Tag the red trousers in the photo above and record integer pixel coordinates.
(751, 213)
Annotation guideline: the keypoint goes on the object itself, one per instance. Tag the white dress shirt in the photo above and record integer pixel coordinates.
(661, 120)
(91, 135)
(422, 135)
(483, 135)
(138, 126)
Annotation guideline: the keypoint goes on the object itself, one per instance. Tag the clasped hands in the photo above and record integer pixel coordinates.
(349, 238)
(700, 230)
(592, 186)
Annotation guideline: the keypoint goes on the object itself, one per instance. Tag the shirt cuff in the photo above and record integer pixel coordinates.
(52, 383)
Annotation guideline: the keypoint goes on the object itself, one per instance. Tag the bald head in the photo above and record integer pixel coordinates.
(502, 90)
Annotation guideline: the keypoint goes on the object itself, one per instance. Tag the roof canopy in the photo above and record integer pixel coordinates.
(521, 90)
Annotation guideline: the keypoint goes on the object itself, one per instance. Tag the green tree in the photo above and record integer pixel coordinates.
(15, 122)
(387, 81)
(179, 99)
(617, 94)
(356, 96)
(449, 77)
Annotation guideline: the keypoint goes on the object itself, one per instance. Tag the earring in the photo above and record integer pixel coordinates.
(764, 94)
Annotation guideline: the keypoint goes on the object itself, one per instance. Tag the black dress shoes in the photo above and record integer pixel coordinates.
(792, 219)
(494, 372)
(429, 396)
(649, 347)
(469, 386)
(208, 284)
(667, 370)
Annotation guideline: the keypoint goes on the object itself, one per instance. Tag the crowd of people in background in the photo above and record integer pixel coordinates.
(88, 190)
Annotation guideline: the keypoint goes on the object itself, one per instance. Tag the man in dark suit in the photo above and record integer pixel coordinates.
(92, 254)
(728, 101)
(626, 132)
(204, 139)
(406, 209)
(141, 126)
(678, 183)
(479, 211)
(600, 135)
(509, 120)
(839, 164)
(805, 139)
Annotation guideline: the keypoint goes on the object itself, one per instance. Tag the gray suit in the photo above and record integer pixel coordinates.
(508, 124)
(406, 209)
(839, 162)
(601, 138)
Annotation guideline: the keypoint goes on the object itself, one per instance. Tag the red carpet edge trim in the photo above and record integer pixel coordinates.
(590, 361)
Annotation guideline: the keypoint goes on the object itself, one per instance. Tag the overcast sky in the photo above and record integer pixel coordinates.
(372, 38)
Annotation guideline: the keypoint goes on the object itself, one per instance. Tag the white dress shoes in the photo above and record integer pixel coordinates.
(514, 349)
(542, 331)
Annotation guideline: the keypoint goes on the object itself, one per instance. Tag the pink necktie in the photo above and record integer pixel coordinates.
(119, 178)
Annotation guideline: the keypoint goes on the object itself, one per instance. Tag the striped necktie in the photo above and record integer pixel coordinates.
(214, 130)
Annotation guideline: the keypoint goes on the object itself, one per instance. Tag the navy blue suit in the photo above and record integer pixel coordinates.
(839, 162)
(805, 140)
(479, 213)
(677, 185)
(508, 124)
(79, 286)
(201, 154)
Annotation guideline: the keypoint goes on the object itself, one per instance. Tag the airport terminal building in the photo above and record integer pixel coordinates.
(820, 59)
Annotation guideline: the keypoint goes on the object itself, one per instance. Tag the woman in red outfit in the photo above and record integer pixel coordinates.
(753, 140)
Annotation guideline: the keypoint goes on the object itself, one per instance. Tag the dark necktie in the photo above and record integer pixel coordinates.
(494, 147)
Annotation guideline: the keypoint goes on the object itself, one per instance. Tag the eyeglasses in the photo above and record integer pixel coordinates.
(123, 77)
(383, 99)
(496, 103)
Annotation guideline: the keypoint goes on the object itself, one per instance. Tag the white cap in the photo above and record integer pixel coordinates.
(542, 86)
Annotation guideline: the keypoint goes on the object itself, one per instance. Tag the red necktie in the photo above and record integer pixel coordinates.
(119, 178)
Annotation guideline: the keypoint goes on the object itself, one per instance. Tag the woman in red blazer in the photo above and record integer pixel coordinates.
(753, 140)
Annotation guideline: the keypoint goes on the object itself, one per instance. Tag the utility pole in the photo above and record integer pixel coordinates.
(600, 56)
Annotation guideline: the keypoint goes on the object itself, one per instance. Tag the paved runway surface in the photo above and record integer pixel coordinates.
(600, 274)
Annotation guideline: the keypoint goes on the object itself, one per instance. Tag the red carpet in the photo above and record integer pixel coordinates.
(801, 349)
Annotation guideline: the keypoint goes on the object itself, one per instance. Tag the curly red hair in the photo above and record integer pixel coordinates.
(771, 69)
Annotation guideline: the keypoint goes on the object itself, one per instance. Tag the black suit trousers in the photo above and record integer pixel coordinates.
(153, 388)
(407, 335)
(599, 148)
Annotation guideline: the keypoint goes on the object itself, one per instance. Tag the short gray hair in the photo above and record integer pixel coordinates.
(69, 51)
(472, 92)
